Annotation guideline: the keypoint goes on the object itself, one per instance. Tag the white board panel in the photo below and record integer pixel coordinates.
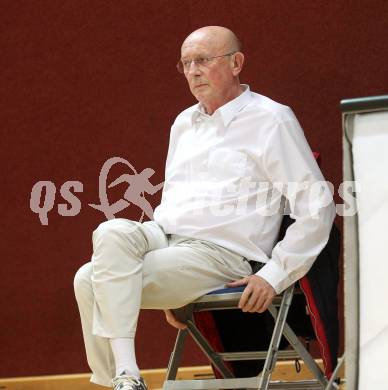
(370, 165)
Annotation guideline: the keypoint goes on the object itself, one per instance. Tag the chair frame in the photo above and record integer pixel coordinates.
(229, 300)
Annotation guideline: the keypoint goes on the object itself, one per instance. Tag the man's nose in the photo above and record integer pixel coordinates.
(193, 68)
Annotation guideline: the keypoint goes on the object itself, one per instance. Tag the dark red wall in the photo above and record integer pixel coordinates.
(83, 81)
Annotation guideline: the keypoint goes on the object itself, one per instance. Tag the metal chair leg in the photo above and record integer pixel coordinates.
(212, 355)
(331, 385)
(293, 339)
(280, 321)
(176, 355)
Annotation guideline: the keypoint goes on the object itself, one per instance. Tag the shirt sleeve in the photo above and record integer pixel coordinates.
(289, 162)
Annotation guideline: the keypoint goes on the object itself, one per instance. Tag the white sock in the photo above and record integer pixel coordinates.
(124, 353)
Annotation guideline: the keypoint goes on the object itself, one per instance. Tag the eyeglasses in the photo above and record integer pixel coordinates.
(184, 65)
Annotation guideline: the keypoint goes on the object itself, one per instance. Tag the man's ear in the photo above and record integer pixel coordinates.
(237, 64)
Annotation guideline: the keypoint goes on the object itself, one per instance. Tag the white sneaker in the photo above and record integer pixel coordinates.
(128, 382)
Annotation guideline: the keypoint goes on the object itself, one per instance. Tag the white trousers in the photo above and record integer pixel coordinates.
(136, 265)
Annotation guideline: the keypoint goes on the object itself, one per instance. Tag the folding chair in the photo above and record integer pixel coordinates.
(225, 299)
(228, 298)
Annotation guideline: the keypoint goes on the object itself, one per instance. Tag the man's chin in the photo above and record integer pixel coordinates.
(200, 93)
(201, 88)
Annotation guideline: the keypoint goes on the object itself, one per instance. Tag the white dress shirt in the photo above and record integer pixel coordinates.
(227, 175)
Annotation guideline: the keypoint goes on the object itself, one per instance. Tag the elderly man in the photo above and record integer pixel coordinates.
(232, 157)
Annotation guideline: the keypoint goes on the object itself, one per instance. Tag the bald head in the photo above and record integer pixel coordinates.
(211, 61)
(220, 38)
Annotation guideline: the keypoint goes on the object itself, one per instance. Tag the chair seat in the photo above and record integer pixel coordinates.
(227, 290)
(224, 298)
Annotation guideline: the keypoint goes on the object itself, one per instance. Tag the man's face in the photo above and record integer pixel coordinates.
(211, 82)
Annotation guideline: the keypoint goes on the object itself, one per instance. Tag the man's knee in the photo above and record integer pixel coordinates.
(117, 237)
(107, 229)
(114, 229)
(83, 280)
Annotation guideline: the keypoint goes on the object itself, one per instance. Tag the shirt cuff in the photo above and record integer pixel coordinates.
(275, 276)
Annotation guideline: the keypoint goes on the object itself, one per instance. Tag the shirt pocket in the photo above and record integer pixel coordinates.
(226, 164)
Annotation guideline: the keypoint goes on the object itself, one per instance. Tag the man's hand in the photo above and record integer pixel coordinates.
(257, 296)
(173, 321)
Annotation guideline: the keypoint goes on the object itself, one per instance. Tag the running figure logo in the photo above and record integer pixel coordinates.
(138, 184)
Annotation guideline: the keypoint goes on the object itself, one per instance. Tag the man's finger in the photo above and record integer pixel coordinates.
(236, 283)
(173, 321)
(257, 304)
(260, 305)
(254, 297)
(244, 297)
(179, 325)
(265, 305)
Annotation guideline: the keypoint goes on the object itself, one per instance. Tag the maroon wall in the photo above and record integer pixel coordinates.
(83, 81)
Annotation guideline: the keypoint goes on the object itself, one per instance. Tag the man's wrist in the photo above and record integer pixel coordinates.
(275, 276)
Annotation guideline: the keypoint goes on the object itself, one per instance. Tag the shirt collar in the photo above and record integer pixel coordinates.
(229, 110)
